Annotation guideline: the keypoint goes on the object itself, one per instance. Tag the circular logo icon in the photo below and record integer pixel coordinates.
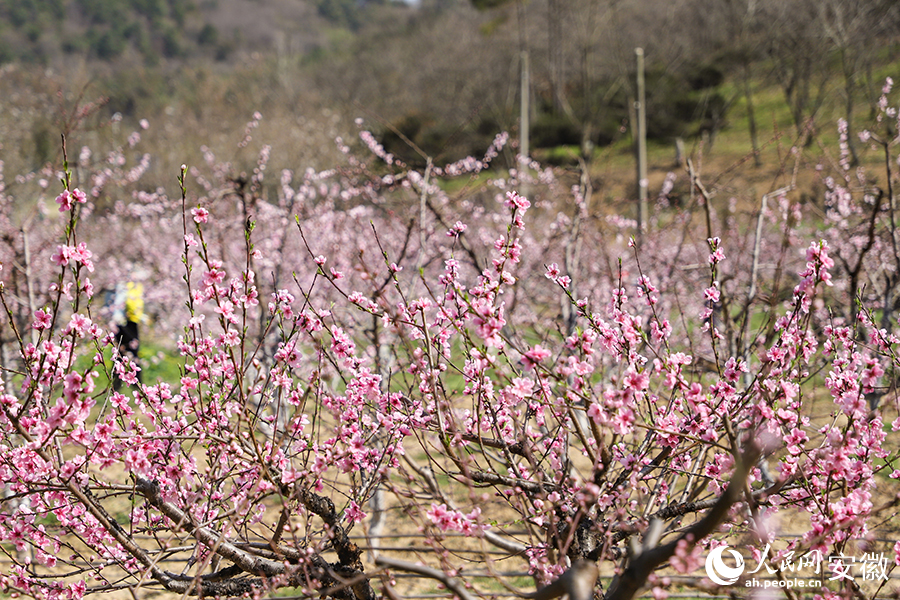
(721, 573)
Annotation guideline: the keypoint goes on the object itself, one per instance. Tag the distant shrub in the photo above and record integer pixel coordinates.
(551, 130)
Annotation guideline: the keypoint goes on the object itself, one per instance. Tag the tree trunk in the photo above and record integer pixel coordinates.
(555, 58)
(849, 89)
(751, 116)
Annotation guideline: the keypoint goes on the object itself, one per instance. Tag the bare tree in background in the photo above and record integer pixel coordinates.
(798, 49)
(856, 31)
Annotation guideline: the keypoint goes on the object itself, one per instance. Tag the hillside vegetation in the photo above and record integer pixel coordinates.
(440, 79)
(352, 338)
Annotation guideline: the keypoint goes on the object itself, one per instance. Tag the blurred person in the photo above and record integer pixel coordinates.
(127, 313)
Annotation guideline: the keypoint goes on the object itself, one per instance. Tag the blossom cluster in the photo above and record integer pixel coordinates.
(552, 394)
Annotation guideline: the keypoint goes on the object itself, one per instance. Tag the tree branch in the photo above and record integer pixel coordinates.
(644, 560)
(451, 583)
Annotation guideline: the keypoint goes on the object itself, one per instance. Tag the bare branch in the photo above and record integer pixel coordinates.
(629, 583)
(577, 583)
(451, 583)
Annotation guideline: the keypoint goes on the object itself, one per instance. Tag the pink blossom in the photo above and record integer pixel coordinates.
(137, 462)
(231, 338)
(82, 255)
(453, 520)
(660, 331)
(62, 256)
(354, 513)
(522, 386)
(687, 558)
(72, 386)
(200, 214)
(635, 381)
(795, 440)
(534, 356)
(457, 229)
(341, 343)
(42, 319)
(513, 199)
(79, 324)
(88, 287)
(623, 421)
(595, 412)
(67, 199)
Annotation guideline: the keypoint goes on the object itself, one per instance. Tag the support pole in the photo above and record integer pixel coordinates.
(524, 107)
(524, 125)
(641, 145)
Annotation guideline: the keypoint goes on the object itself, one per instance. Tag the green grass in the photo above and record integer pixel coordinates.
(158, 363)
(614, 165)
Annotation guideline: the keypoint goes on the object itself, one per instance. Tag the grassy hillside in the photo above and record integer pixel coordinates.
(444, 75)
(153, 31)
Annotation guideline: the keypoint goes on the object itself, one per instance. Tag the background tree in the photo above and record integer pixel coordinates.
(426, 359)
(854, 30)
(800, 55)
